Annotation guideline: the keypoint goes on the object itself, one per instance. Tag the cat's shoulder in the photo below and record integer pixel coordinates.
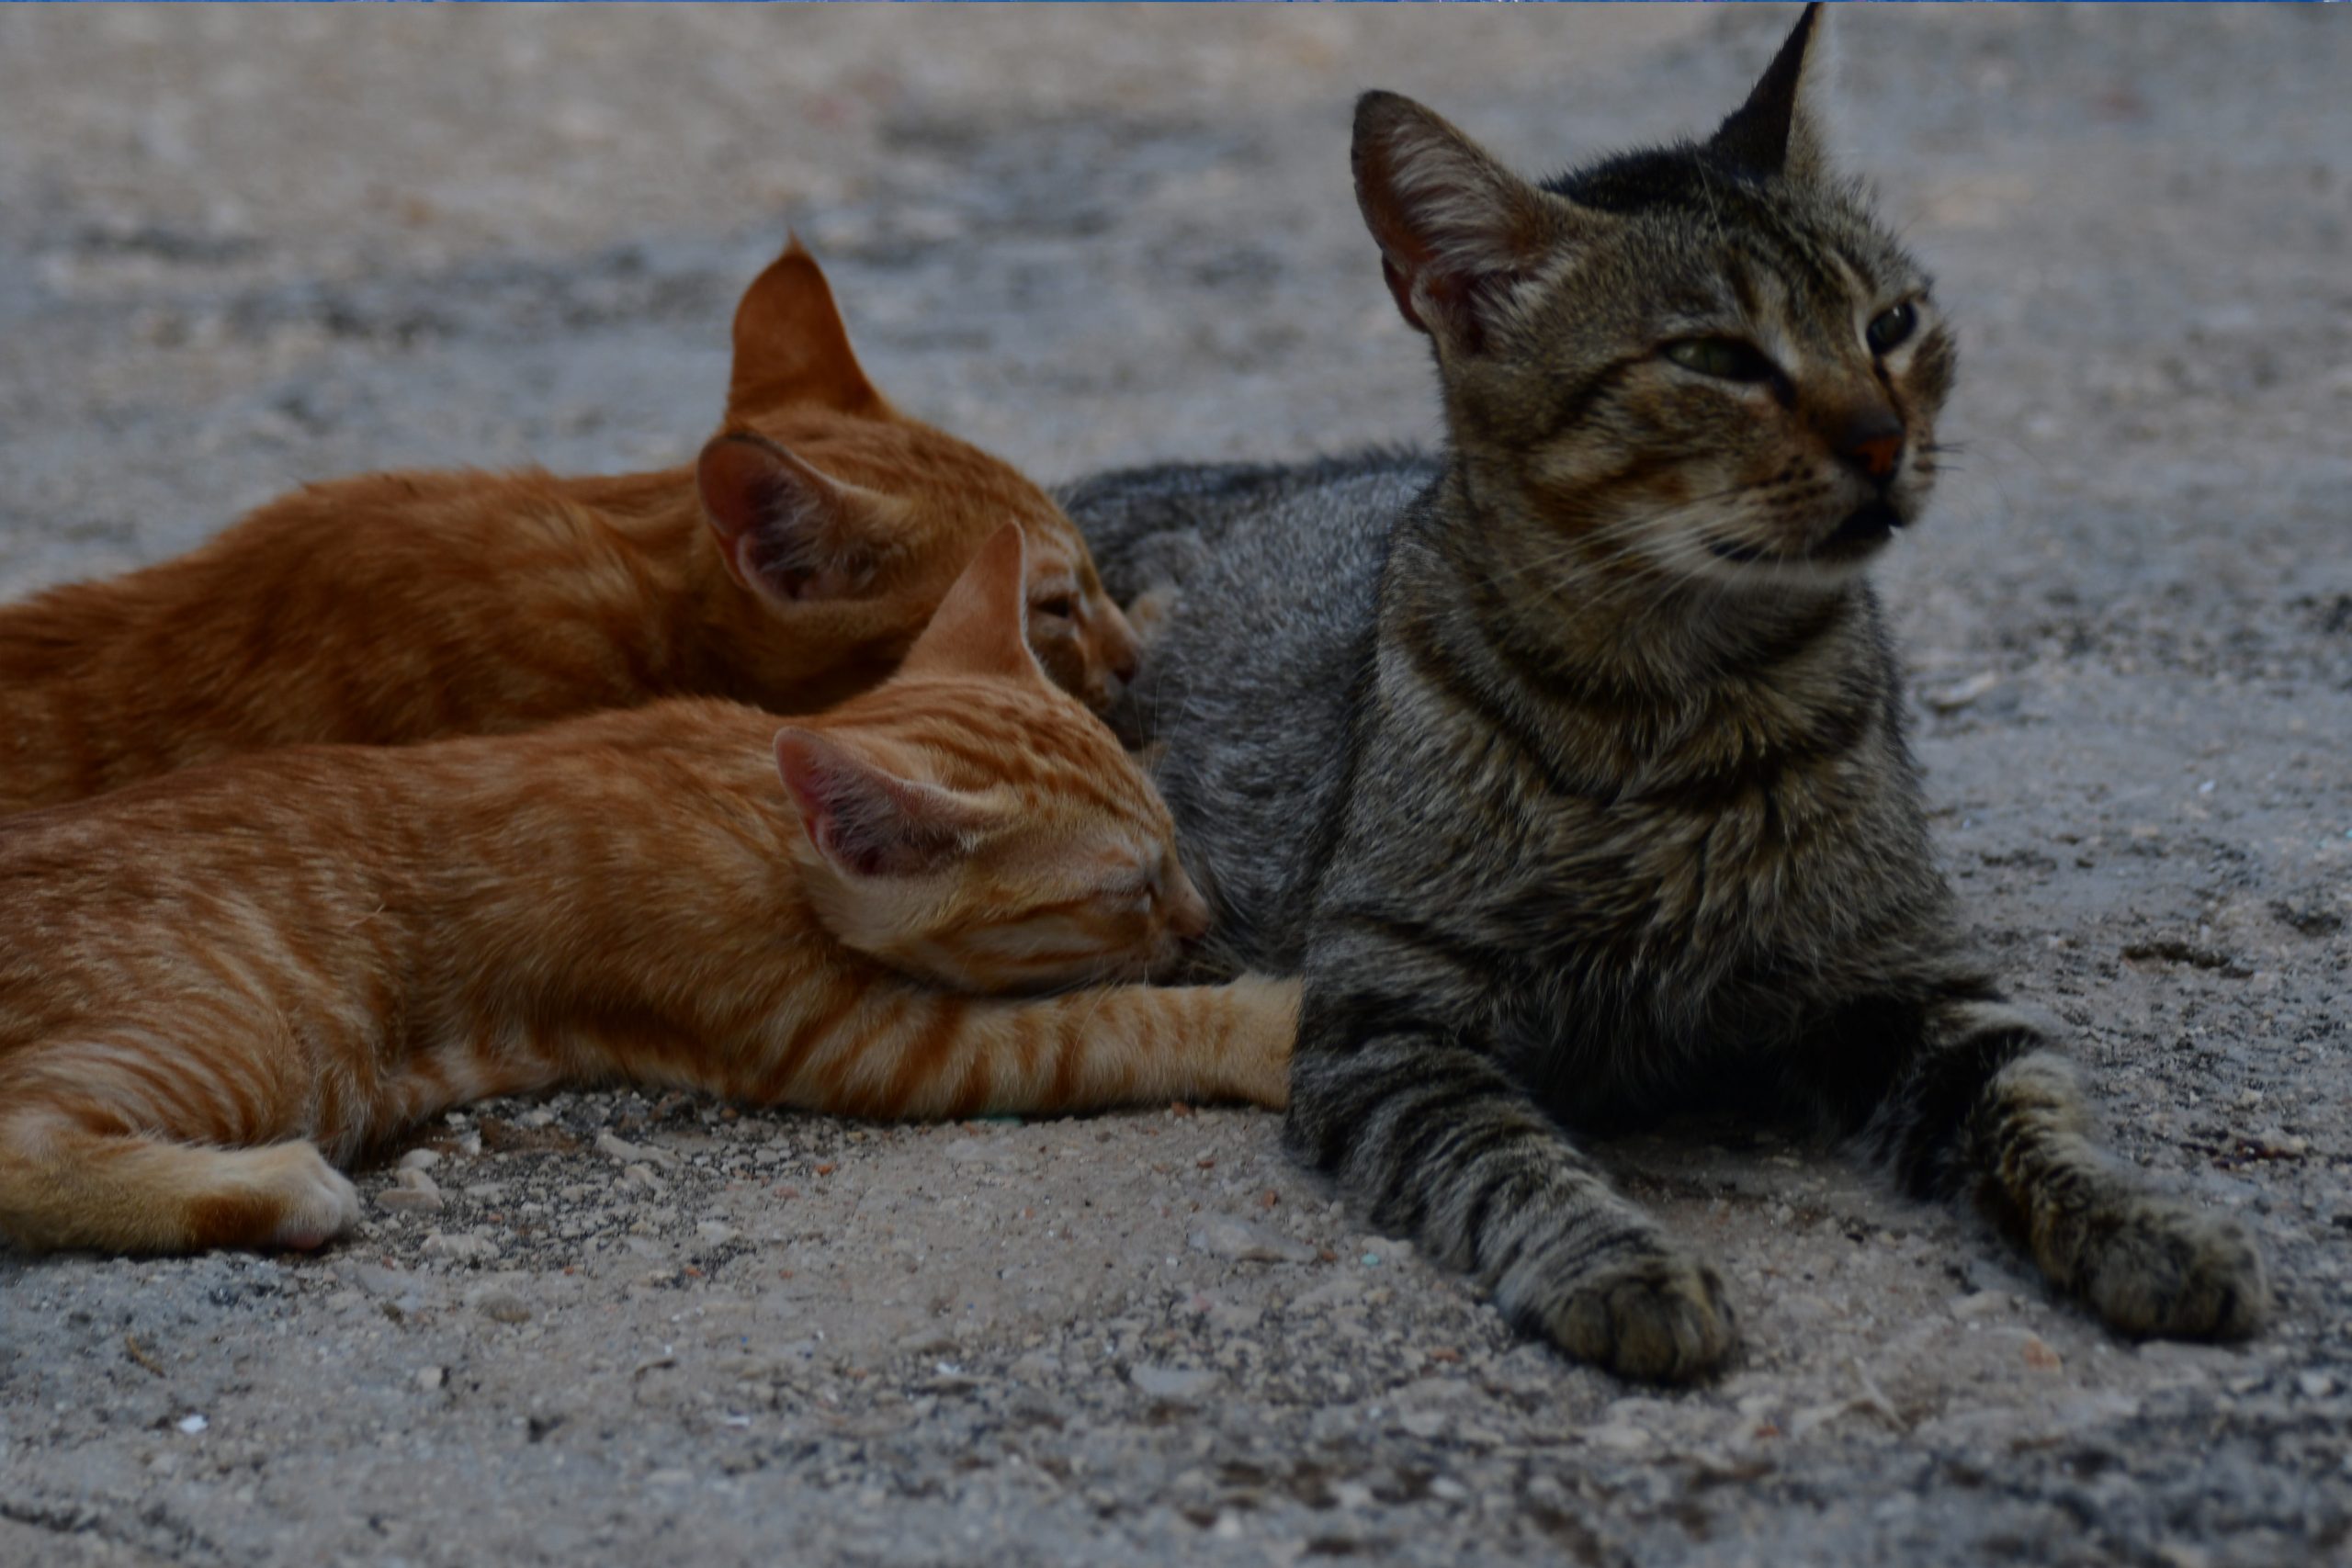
(1208, 489)
(1172, 522)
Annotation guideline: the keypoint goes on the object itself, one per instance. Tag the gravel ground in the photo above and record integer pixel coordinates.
(240, 250)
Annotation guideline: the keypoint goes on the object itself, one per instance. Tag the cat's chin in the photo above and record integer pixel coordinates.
(1831, 561)
(1865, 530)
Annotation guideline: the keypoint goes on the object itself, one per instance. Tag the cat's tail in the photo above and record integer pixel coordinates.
(66, 1182)
(1132, 1045)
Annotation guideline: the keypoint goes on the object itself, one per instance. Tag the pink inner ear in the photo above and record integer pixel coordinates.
(777, 520)
(862, 818)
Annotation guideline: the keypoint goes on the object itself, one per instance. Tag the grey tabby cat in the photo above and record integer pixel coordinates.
(1569, 766)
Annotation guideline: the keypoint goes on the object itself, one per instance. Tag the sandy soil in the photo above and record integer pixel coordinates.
(241, 249)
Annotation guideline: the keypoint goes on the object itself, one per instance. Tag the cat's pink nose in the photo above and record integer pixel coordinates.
(1872, 444)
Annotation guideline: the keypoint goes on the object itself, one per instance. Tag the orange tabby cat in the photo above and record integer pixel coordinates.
(791, 566)
(213, 984)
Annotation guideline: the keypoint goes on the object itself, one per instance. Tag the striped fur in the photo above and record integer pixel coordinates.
(1569, 768)
(218, 987)
(393, 608)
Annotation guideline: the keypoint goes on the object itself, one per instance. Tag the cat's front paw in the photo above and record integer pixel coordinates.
(315, 1201)
(2155, 1267)
(1658, 1317)
(1260, 1069)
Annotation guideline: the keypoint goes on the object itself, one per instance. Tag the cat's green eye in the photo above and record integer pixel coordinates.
(1891, 327)
(1727, 358)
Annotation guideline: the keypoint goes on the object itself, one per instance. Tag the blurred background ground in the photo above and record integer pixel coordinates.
(241, 249)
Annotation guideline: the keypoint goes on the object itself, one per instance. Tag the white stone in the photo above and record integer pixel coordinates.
(1173, 1382)
(1227, 1236)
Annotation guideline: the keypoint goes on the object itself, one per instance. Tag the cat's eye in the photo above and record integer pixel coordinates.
(1891, 327)
(1727, 358)
(1061, 606)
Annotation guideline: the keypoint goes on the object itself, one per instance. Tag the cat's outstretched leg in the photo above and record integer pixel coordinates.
(1440, 1144)
(1088, 1050)
(66, 1184)
(1977, 1103)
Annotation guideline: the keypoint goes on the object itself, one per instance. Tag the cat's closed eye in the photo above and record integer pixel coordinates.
(1060, 606)
(1725, 359)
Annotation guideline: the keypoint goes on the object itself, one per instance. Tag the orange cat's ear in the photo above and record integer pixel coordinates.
(789, 530)
(981, 627)
(791, 349)
(868, 820)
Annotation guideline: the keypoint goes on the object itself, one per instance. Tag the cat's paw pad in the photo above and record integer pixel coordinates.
(2157, 1266)
(316, 1202)
(1659, 1317)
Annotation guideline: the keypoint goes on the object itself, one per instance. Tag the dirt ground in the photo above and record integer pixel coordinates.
(242, 249)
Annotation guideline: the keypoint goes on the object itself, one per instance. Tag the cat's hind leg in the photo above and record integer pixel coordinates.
(64, 1183)
(1974, 1101)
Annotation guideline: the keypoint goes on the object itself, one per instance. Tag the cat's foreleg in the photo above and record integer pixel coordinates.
(1086, 1050)
(1981, 1105)
(1440, 1144)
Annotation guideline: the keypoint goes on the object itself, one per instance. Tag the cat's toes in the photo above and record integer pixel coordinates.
(316, 1202)
(2156, 1267)
(1659, 1317)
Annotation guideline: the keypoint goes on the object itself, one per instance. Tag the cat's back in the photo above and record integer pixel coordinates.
(339, 865)
(1254, 588)
(384, 609)
(1153, 527)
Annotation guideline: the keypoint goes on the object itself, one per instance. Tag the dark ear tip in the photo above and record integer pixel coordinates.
(1377, 110)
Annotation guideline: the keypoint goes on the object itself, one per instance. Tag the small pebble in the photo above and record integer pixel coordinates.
(411, 1191)
(1227, 1236)
(1184, 1384)
(2036, 1353)
(459, 1247)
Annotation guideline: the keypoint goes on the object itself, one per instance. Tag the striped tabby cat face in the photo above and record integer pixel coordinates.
(971, 824)
(1706, 365)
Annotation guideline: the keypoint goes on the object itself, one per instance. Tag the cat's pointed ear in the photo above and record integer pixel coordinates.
(868, 820)
(1782, 129)
(787, 530)
(981, 627)
(791, 347)
(1457, 231)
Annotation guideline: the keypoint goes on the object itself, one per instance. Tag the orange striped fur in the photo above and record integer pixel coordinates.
(217, 986)
(791, 566)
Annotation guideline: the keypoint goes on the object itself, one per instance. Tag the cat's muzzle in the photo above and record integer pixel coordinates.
(1865, 528)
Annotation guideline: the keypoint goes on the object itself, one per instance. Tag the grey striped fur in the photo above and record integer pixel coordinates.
(1568, 766)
